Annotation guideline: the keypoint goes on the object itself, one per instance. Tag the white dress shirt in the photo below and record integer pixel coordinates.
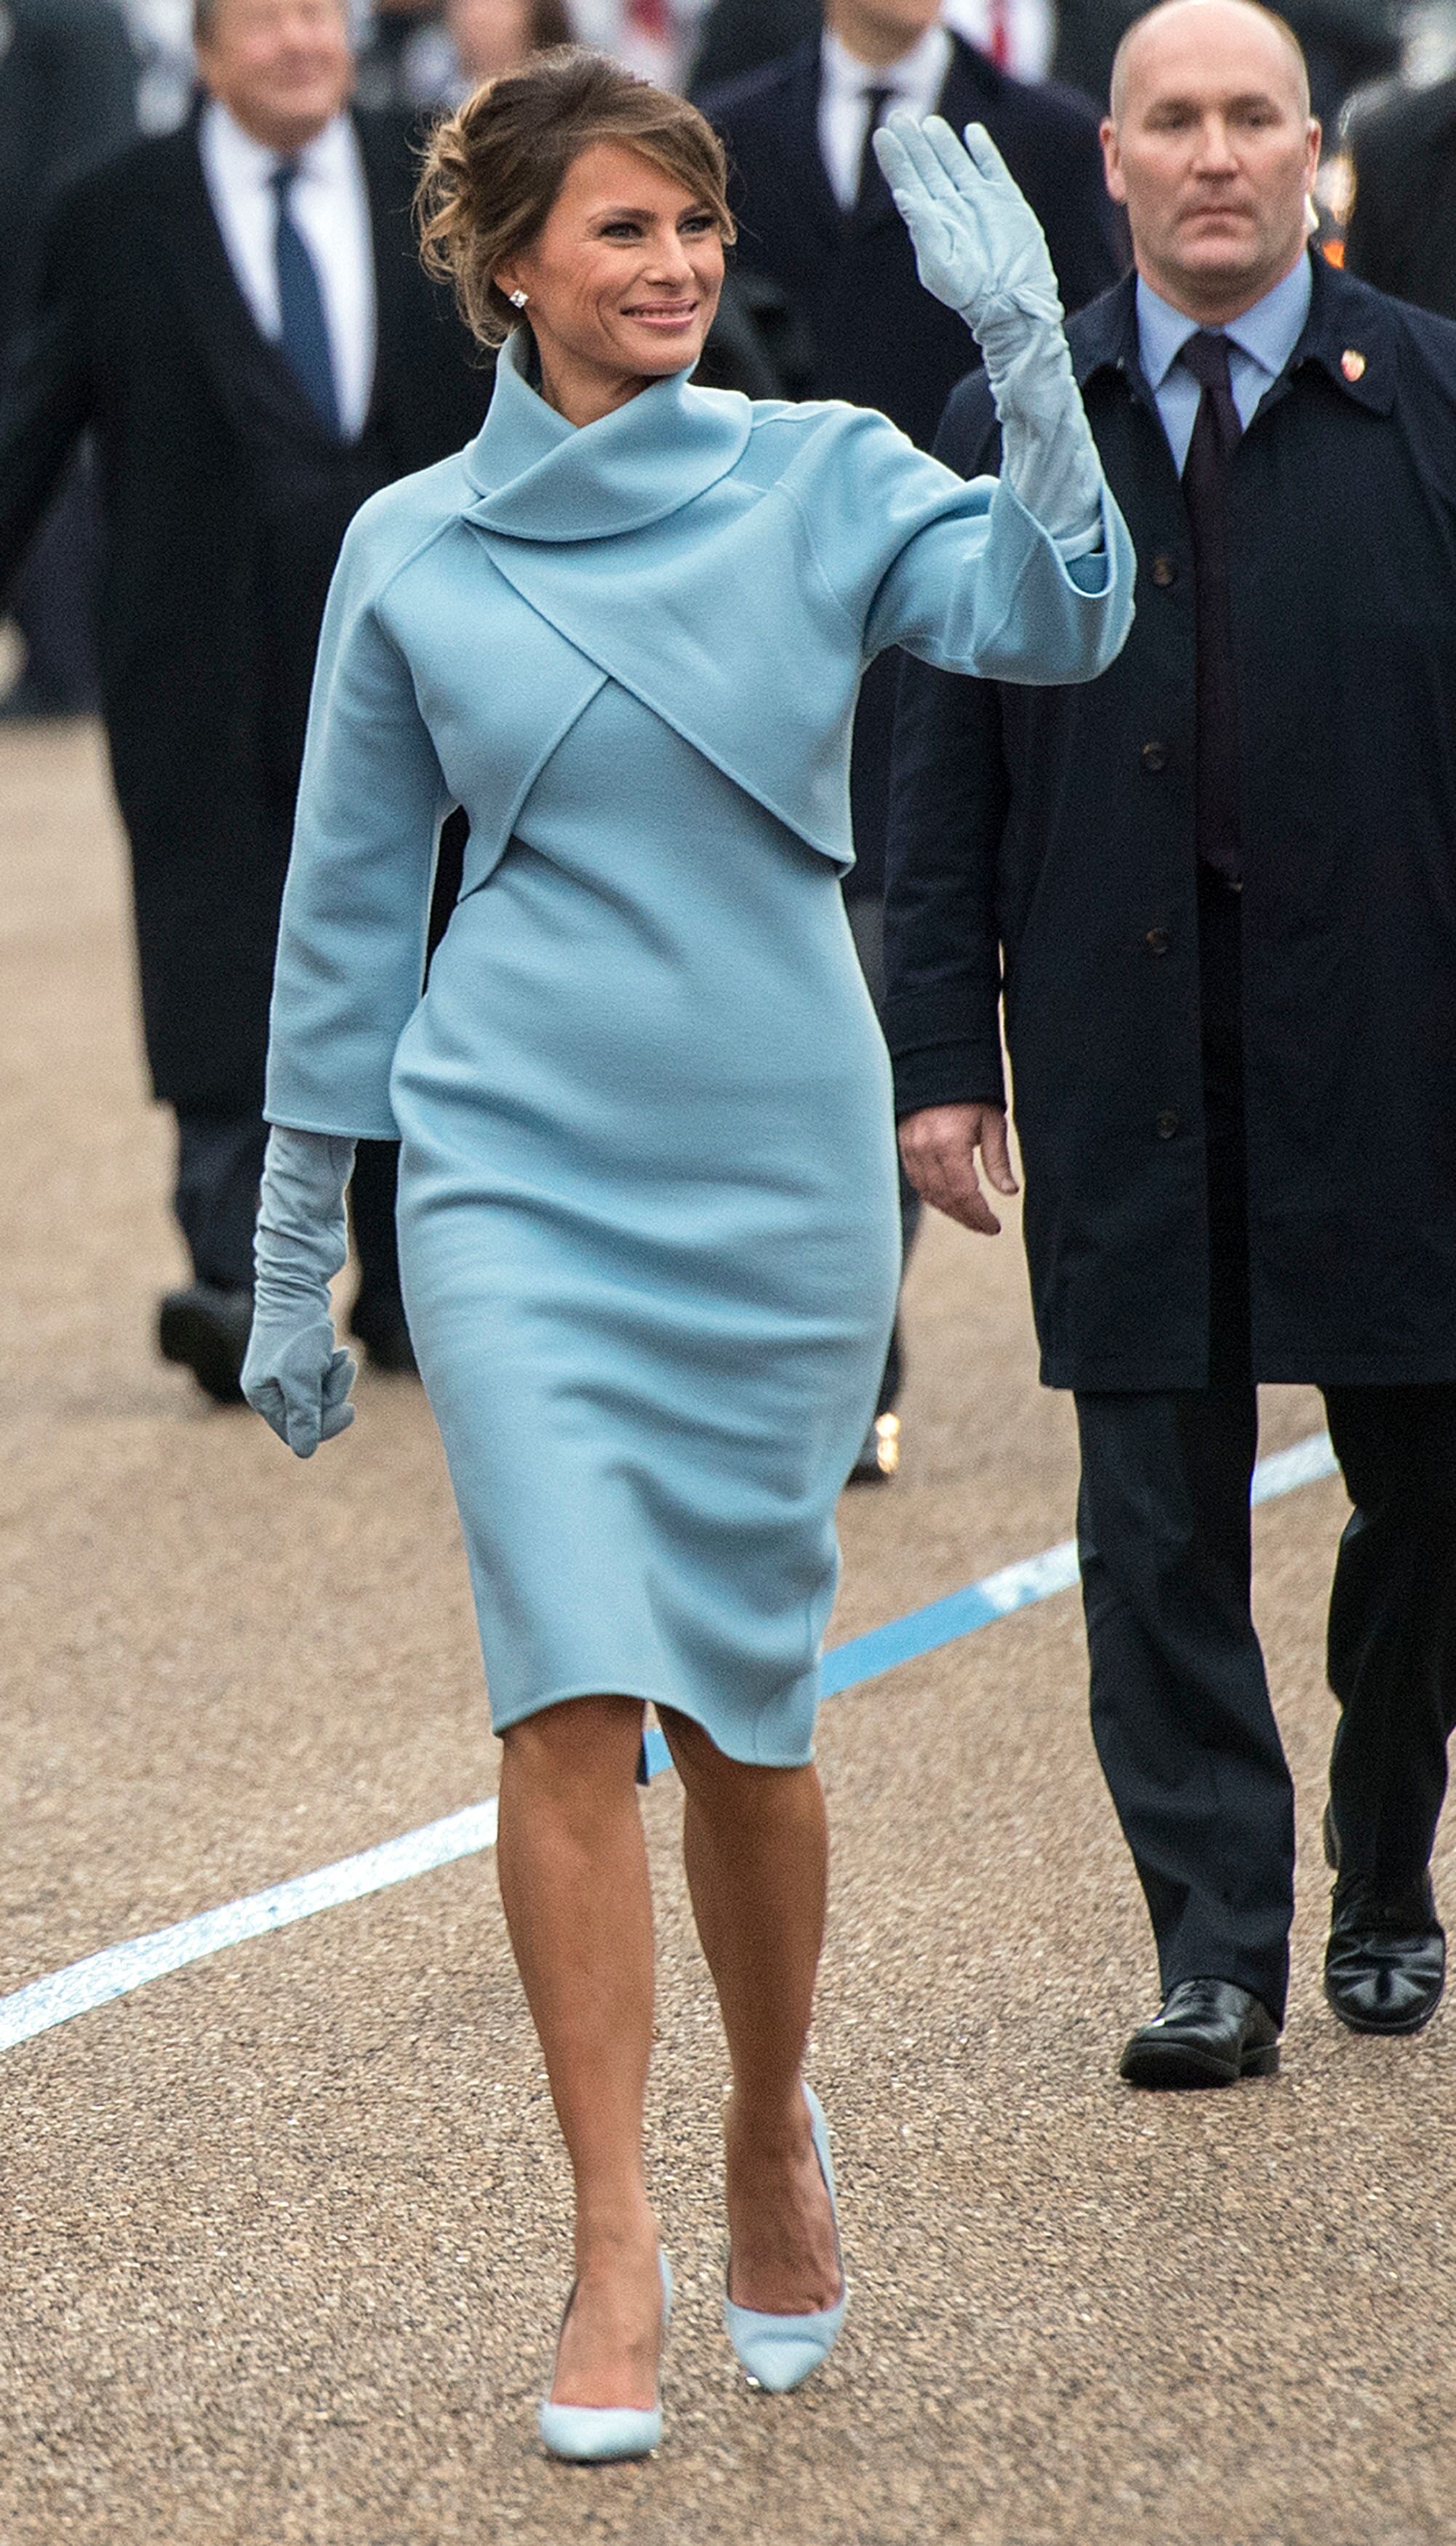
(329, 204)
(1026, 29)
(846, 85)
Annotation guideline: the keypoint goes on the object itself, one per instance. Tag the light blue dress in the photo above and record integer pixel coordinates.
(648, 1212)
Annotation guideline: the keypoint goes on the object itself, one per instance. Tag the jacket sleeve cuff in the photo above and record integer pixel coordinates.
(947, 1073)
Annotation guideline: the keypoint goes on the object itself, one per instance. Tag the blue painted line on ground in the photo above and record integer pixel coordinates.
(120, 1969)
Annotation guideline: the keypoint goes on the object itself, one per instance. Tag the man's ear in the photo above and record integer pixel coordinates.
(1112, 161)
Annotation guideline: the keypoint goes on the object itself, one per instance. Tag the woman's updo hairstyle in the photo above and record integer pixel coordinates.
(493, 169)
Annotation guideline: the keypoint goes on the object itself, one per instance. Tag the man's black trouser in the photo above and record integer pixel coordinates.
(1181, 1703)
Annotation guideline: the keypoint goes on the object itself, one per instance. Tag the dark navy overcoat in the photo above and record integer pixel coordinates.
(1042, 857)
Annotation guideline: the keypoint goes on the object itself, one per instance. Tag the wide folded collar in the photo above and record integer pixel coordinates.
(539, 478)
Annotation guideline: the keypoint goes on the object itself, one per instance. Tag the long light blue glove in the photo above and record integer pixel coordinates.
(294, 1376)
(979, 247)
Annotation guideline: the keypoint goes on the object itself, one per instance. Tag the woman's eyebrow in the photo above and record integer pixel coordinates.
(638, 211)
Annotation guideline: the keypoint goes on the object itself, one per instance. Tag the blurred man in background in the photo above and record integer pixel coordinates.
(1217, 886)
(1400, 233)
(237, 313)
(68, 103)
(815, 220)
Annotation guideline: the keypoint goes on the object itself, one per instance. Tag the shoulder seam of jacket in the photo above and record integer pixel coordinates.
(372, 601)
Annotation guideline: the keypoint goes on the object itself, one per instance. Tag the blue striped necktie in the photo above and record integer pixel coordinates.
(303, 337)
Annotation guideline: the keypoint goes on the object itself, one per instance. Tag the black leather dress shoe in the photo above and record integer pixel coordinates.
(1384, 1965)
(206, 1329)
(1210, 2033)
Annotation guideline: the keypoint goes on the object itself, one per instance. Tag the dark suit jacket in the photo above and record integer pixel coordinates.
(224, 504)
(874, 335)
(67, 102)
(1042, 866)
(737, 36)
(1401, 233)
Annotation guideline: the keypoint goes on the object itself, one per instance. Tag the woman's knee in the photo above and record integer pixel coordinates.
(724, 1784)
(594, 1739)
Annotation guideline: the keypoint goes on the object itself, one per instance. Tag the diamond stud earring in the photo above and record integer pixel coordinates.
(518, 300)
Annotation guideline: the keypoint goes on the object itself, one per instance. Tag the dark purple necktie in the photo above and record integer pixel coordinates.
(1217, 826)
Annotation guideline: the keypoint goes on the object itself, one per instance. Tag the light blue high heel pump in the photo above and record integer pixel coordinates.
(590, 2434)
(780, 2352)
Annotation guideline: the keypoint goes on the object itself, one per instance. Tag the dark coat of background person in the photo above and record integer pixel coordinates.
(1345, 43)
(743, 35)
(1402, 231)
(1077, 894)
(68, 104)
(224, 504)
(872, 333)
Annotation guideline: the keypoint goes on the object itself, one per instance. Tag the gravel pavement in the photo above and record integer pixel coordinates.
(285, 2233)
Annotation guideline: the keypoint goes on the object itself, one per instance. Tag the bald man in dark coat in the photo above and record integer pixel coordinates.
(1213, 899)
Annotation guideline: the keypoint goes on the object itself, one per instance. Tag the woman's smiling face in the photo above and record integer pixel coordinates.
(622, 281)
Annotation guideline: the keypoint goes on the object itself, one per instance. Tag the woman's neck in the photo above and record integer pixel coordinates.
(583, 396)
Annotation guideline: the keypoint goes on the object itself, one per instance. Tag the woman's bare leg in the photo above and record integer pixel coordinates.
(757, 1851)
(573, 1879)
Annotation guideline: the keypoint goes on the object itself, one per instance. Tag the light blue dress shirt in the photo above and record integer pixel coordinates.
(1261, 344)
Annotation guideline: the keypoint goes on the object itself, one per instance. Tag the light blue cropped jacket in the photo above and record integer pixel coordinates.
(734, 564)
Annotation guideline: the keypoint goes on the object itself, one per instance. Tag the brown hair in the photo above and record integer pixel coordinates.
(493, 169)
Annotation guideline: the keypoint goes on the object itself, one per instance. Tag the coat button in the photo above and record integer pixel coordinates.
(1157, 941)
(1167, 1123)
(1153, 755)
(1164, 572)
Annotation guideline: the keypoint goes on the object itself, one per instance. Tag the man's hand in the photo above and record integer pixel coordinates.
(939, 1146)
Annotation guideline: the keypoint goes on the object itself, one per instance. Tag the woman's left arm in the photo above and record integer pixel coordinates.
(1033, 581)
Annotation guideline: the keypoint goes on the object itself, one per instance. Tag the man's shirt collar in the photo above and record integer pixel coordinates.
(1267, 333)
(917, 78)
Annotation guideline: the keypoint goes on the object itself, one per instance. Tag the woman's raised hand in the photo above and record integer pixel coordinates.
(979, 245)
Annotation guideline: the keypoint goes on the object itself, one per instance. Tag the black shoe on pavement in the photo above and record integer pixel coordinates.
(1210, 2033)
(206, 1329)
(1384, 1965)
